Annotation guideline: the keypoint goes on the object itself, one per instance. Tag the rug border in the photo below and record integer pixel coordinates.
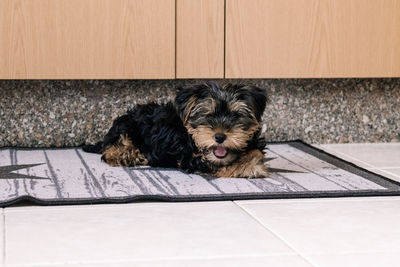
(299, 144)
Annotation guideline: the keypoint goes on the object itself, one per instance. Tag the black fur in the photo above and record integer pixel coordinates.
(158, 131)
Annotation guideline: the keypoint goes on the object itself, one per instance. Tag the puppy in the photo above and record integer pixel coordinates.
(208, 129)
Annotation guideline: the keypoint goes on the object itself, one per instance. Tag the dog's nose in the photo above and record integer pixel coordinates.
(220, 137)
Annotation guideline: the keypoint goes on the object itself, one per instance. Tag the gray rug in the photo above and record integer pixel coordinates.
(71, 176)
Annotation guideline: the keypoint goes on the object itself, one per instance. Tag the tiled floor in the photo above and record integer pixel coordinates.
(296, 232)
(382, 158)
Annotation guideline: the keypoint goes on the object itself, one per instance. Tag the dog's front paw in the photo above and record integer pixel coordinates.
(112, 161)
(254, 171)
(250, 165)
(123, 153)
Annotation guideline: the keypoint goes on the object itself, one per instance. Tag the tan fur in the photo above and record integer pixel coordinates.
(236, 137)
(202, 136)
(124, 153)
(236, 141)
(249, 165)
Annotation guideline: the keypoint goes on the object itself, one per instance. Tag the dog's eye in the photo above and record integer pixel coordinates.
(209, 120)
(235, 115)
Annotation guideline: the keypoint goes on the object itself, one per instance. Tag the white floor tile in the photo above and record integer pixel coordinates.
(46, 235)
(356, 259)
(327, 148)
(379, 155)
(393, 174)
(328, 226)
(325, 200)
(1, 237)
(276, 261)
(339, 151)
(394, 171)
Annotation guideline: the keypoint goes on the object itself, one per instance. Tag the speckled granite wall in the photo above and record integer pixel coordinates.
(68, 113)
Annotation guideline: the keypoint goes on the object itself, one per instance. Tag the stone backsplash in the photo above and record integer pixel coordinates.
(46, 113)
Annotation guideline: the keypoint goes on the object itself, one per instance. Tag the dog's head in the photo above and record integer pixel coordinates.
(221, 120)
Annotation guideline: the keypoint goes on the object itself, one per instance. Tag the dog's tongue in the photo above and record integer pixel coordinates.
(220, 151)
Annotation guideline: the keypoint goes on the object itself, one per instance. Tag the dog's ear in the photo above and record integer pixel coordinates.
(254, 96)
(185, 100)
(258, 99)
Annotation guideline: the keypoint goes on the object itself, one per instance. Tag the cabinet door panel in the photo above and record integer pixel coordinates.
(87, 39)
(312, 38)
(200, 39)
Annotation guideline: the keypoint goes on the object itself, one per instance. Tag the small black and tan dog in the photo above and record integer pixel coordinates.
(208, 129)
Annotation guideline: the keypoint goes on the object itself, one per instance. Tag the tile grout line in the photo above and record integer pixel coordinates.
(349, 157)
(339, 153)
(370, 166)
(387, 168)
(305, 258)
(102, 262)
(389, 172)
(386, 171)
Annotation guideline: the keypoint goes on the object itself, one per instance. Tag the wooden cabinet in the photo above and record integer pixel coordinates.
(87, 39)
(312, 38)
(145, 39)
(200, 39)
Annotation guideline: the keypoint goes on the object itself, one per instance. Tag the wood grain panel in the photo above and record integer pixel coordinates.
(200, 39)
(87, 39)
(312, 38)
